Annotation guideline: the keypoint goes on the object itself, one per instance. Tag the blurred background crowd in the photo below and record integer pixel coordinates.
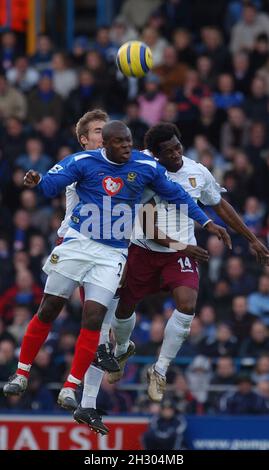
(210, 78)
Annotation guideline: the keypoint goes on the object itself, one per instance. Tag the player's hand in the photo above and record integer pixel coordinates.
(196, 252)
(221, 233)
(260, 251)
(31, 179)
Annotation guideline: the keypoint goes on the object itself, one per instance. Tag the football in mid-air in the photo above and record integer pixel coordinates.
(134, 59)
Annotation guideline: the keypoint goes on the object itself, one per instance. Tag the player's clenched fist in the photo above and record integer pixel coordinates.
(31, 179)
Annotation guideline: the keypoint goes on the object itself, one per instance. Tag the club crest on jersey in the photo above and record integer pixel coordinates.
(193, 182)
(54, 258)
(131, 176)
(75, 219)
(112, 185)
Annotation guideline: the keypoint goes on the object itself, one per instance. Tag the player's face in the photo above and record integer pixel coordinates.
(93, 140)
(170, 154)
(119, 146)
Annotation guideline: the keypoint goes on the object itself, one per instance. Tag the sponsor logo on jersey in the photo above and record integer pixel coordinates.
(112, 185)
(193, 182)
(54, 258)
(131, 176)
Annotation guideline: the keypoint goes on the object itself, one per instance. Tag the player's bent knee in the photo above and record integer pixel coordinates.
(185, 299)
(93, 323)
(124, 311)
(50, 308)
(93, 315)
(186, 307)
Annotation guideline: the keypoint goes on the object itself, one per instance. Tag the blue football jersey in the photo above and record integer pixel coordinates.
(109, 192)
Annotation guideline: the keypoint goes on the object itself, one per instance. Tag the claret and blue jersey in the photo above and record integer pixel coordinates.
(108, 192)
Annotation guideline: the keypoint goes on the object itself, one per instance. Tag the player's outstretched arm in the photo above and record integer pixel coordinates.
(56, 179)
(62, 174)
(227, 213)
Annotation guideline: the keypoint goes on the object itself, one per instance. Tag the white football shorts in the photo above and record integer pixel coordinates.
(61, 286)
(87, 261)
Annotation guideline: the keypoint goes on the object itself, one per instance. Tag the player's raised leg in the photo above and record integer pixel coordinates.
(86, 346)
(87, 412)
(100, 284)
(142, 279)
(57, 290)
(123, 323)
(176, 331)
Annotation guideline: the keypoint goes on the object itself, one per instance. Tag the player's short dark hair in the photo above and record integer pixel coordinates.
(83, 122)
(158, 134)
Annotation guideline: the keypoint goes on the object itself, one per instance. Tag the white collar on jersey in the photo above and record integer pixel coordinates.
(149, 153)
(103, 153)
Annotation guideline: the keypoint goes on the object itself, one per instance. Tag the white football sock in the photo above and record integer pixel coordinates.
(93, 377)
(122, 329)
(176, 331)
(92, 384)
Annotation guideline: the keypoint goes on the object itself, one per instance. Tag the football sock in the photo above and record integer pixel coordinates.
(122, 329)
(35, 335)
(175, 333)
(92, 383)
(85, 350)
(93, 376)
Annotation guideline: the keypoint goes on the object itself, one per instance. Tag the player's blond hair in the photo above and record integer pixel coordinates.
(82, 125)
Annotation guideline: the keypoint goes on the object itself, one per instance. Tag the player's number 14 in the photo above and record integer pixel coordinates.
(185, 264)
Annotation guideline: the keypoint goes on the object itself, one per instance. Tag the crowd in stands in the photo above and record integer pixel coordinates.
(210, 78)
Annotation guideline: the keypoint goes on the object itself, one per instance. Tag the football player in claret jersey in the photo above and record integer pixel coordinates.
(110, 181)
(148, 261)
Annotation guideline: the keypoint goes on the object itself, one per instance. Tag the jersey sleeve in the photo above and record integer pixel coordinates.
(175, 194)
(59, 176)
(72, 199)
(211, 192)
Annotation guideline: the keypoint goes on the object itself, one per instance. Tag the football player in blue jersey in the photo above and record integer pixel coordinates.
(89, 136)
(110, 183)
